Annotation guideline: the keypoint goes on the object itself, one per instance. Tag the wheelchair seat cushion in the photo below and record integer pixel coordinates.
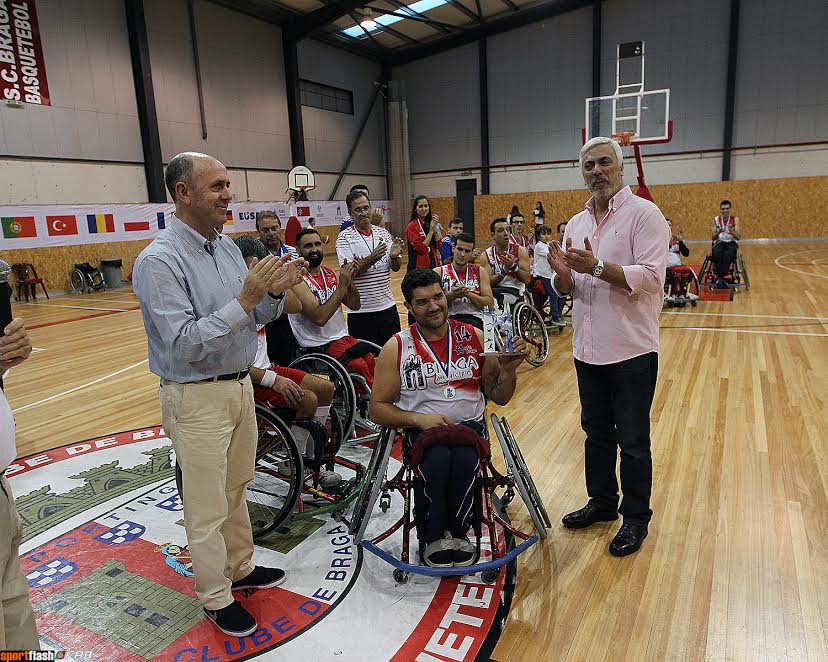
(448, 435)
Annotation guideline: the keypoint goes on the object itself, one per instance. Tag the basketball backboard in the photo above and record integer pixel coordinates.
(300, 178)
(631, 109)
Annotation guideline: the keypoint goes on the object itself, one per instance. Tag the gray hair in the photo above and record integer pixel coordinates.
(180, 169)
(601, 140)
(250, 247)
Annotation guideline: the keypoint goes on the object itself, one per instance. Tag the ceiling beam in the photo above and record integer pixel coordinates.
(398, 34)
(480, 17)
(367, 32)
(411, 13)
(509, 22)
(437, 25)
(302, 26)
(511, 5)
(464, 10)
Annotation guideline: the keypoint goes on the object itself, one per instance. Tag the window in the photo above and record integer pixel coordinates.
(317, 95)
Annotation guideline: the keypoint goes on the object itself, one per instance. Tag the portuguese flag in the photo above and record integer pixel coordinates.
(18, 227)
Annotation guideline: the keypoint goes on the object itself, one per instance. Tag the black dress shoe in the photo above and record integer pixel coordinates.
(587, 516)
(628, 539)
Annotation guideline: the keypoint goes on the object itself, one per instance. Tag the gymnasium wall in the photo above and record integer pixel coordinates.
(540, 74)
(768, 208)
(86, 147)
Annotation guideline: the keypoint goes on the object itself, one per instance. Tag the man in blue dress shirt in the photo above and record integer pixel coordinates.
(200, 307)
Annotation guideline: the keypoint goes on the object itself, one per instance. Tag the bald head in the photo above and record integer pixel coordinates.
(184, 167)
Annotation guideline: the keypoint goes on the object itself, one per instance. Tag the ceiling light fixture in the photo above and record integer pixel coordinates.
(368, 21)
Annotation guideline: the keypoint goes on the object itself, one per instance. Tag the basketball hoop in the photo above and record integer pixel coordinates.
(624, 138)
(300, 181)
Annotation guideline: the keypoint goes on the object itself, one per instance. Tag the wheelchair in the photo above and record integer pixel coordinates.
(286, 485)
(736, 277)
(688, 294)
(537, 297)
(351, 393)
(528, 324)
(490, 517)
(86, 278)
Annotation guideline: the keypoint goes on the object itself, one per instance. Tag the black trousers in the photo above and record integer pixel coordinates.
(448, 474)
(375, 327)
(615, 413)
(724, 254)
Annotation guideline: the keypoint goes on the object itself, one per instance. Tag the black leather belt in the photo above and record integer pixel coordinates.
(241, 374)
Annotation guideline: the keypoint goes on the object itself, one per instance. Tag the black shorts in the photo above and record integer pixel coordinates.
(376, 327)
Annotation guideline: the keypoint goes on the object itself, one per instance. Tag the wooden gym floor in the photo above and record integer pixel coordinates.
(736, 563)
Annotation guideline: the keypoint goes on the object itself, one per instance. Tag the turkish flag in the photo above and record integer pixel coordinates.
(303, 211)
(61, 225)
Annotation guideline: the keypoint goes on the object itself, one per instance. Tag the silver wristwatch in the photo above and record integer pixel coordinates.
(598, 270)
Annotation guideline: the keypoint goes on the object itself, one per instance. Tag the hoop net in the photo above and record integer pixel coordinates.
(624, 138)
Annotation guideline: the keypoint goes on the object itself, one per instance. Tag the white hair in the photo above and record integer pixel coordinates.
(601, 140)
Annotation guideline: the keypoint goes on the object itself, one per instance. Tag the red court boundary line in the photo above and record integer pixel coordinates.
(83, 317)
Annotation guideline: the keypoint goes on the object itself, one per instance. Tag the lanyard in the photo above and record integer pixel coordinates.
(314, 285)
(365, 241)
(444, 367)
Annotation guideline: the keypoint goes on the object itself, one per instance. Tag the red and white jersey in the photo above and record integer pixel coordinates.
(262, 360)
(444, 376)
(522, 240)
(308, 333)
(725, 227)
(499, 269)
(468, 277)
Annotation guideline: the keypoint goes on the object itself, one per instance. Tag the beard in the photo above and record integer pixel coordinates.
(314, 259)
(435, 321)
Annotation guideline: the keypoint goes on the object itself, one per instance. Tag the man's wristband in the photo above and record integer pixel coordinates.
(514, 268)
(277, 297)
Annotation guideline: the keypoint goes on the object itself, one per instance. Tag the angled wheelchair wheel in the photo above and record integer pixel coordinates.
(529, 325)
(277, 482)
(706, 277)
(372, 485)
(744, 273)
(520, 474)
(78, 282)
(344, 400)
(96, 281)
(693, 288)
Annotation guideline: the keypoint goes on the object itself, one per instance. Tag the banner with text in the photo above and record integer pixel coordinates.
(22, 69)
(40, 226)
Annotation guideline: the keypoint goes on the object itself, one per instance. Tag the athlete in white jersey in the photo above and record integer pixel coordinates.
(433, 374)
(726, 235)
(466, 284)
(506, 262)
(320, 327)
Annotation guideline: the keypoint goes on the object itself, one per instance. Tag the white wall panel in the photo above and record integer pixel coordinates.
(93, 113)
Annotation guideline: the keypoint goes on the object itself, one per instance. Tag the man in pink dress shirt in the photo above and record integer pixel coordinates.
(613, 264)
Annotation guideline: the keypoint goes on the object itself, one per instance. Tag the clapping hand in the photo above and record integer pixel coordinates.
(14, 344)
(289, 275)
(379, 251)
(376, 216)
(396, 248)
(346, 274)
(580, 260)
(509, 261)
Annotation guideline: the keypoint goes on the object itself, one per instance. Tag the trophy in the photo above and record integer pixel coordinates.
(498, 332)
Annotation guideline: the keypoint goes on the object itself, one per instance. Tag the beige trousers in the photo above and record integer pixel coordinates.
(213, 430)
(17, 622)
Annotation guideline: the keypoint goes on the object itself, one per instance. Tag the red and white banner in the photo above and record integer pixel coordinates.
(22, 69)
(40, 226)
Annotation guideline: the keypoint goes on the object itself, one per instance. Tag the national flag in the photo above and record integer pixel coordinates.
(303, 211)
(18, 227)
(161, 222)
(136, 226)
(228, 217)
(59, 226)
(99, 223)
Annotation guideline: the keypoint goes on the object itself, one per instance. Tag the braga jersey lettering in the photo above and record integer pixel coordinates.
(424, 386)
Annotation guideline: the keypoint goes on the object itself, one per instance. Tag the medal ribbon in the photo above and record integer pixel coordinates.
(444, 368)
